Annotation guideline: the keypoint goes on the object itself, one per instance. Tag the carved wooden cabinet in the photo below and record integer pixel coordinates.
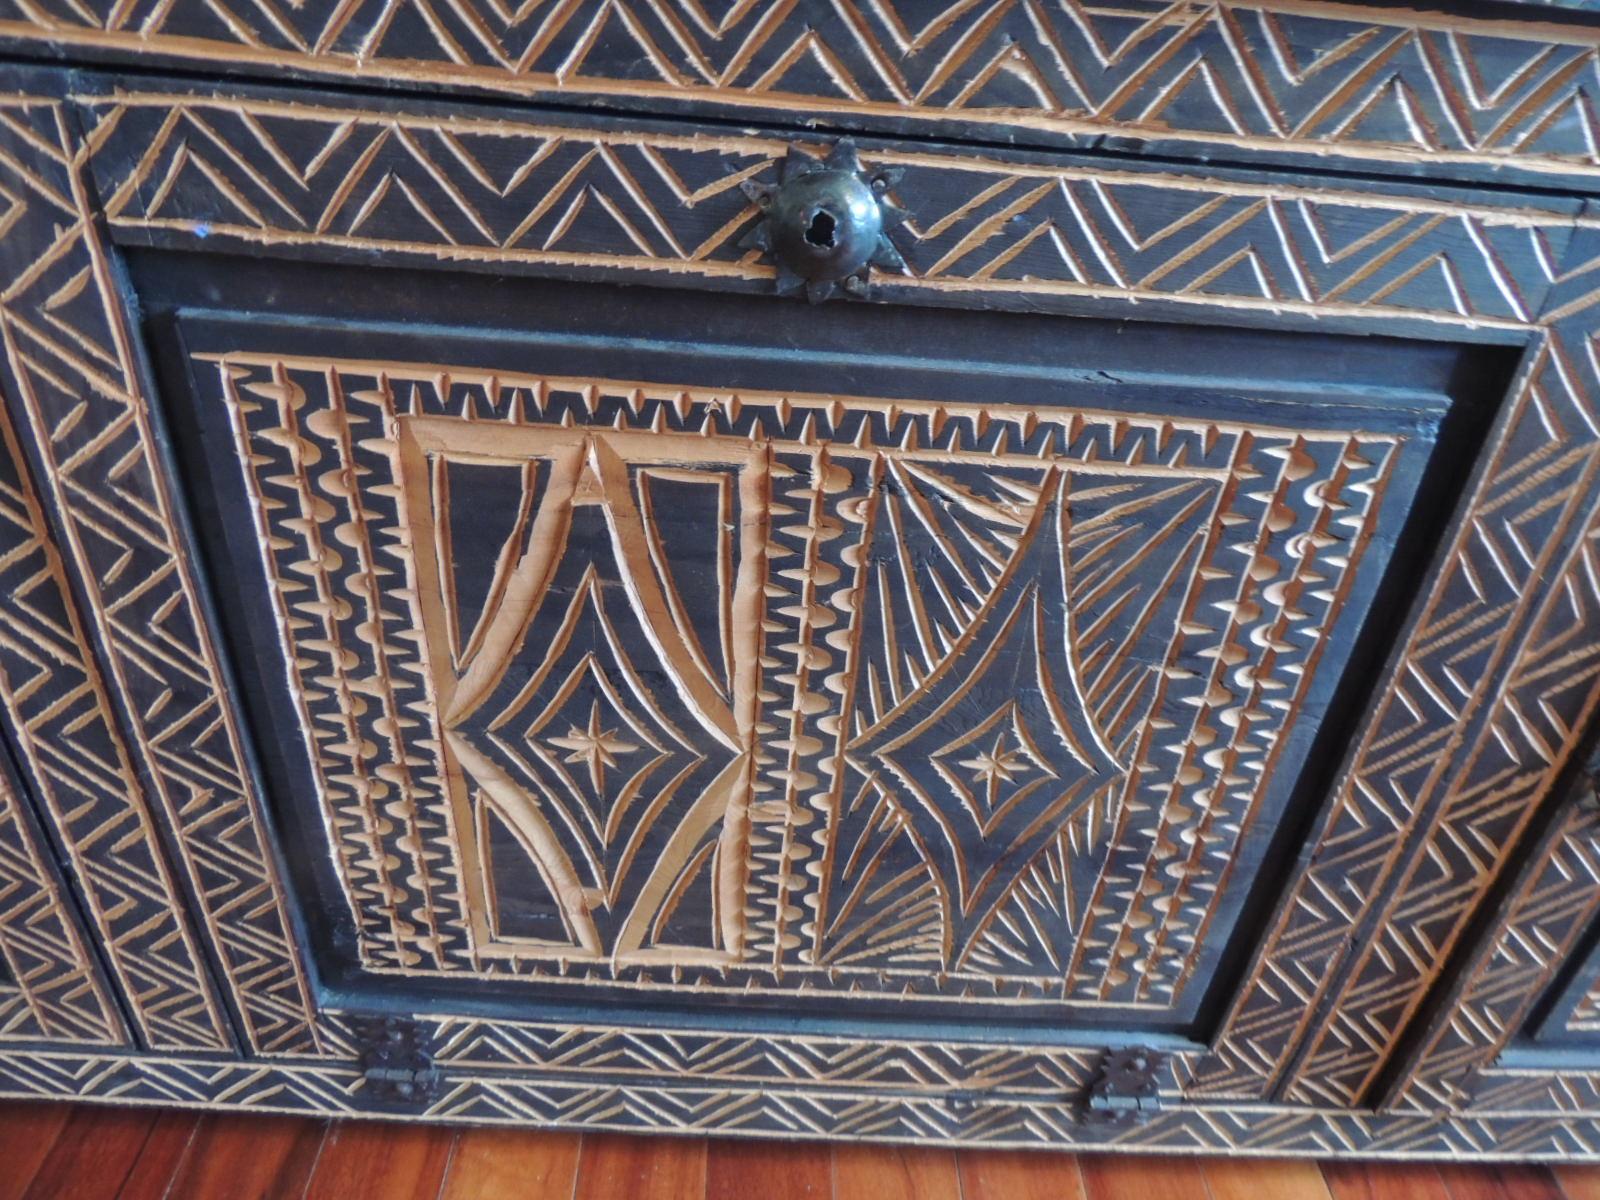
(1115, 668)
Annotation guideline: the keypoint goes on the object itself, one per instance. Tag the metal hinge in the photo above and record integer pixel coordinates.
(397, 1061)
(1126, 1089)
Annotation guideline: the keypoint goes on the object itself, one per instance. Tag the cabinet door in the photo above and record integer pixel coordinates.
(655, 649)
(693, 708)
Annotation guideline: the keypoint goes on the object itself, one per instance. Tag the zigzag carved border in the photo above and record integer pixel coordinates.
(69, 373)
(509, 1097)
(51, 988)
(1330, 79)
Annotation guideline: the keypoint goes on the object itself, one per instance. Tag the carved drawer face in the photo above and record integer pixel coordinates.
(678, 650)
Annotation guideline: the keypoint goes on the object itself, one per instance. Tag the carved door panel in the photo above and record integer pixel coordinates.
(663, 651)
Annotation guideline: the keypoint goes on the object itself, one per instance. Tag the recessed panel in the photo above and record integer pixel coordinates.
(613, 667)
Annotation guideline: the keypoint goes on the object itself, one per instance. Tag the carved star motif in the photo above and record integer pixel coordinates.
(594, 747)
(995, 766)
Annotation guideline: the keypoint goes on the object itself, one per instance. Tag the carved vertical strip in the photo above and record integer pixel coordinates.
(74, 380)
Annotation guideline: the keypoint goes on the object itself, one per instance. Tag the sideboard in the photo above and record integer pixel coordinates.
(1000, 572)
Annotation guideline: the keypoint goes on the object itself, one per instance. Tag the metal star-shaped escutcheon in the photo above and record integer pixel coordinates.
(826, 222)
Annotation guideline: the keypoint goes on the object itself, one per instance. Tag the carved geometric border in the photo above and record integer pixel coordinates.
(55, 706)
(52, 989)
(70, 374)
(1555, 901)
(483, 1096)
(1399, 87)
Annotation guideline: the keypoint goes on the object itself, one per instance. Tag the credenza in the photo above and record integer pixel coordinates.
(999, 572)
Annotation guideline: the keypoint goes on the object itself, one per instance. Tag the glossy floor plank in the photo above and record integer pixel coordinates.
(93, 1154)
(895, 1173)
(1578, 1183)
(170, 1140)
(248, 1158)
(27, 1131)
(1384, 1181)
(615, 1167)
(490, 1163)
(1254, 1178)
(1141, 1177)
(52, 1150)
(374, 1160)
(1019, 1175)
(1498, 1181)
(769, 1170)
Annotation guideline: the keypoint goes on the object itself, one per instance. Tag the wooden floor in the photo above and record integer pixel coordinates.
(86, 1153)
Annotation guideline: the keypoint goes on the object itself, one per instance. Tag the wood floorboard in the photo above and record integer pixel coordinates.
(164, 1151)
(490, 1163)
(248, 1158)
(1261, 1178)
(1141, 1177)
(768, 1171)
(894, 1173)
(1499, 1182)
(1577, 1183)
(27, 1131)
(1019, 1175)
(616, 1167)
(93, 1154)
(50, 1151)
(1384, 1181)
(379, 1160)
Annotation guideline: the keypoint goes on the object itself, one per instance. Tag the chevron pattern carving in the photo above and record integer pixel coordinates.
(1287, 75)
(49, 986)
(261, 172)
(1557, 898)
(1496, 682)
(70, 370)
(485, 1096)
(1491, 684)
(58, 712)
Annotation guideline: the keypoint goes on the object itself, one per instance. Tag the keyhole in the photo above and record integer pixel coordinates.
(821, 230)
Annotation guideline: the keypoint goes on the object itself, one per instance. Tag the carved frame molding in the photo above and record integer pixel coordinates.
(1410, 89)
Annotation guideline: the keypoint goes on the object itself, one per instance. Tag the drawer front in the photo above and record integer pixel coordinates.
(601, 675)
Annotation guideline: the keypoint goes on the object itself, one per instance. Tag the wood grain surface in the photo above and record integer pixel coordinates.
(82, 1153)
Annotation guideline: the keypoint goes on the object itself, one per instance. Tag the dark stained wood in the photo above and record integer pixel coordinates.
(617, 1167)
(1019, 1175)
(241, 1157)
(489, 1163)
(894, 1173)
(27, 1131)
(1255, 1178)
(93, 1154)
(1384, 1181)
(371, 1160)
(1499, 1181)
(165, 1150)
(770, 1170)
(1106, 1177)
